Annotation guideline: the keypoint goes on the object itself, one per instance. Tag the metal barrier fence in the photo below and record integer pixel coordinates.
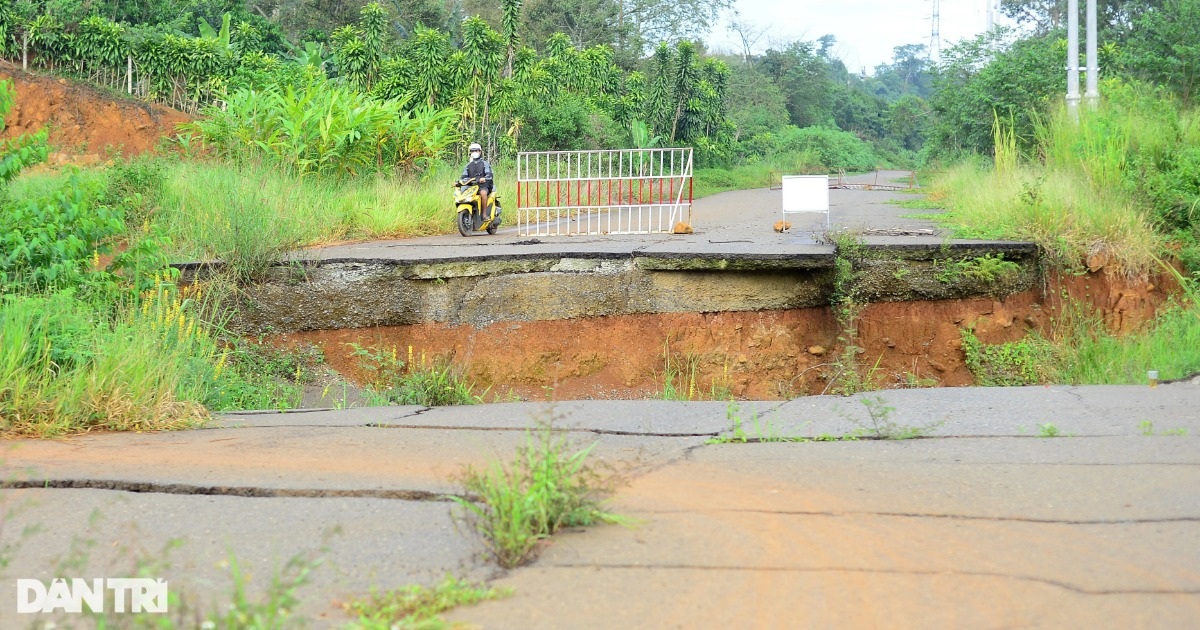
(621, 191)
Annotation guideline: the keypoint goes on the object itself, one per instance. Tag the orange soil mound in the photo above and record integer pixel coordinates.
(86, 124)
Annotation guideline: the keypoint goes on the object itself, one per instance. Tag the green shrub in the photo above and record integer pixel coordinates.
(1026, 362)
(832, 148)
(326, 129)
(136, 186)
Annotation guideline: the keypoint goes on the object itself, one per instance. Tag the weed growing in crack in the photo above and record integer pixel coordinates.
(764, 430)
(1147, 428)
(1048, 430)
(549, 485)
(419, 606)
(880, 424)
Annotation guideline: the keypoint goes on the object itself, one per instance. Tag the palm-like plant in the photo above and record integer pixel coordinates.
(510, 23)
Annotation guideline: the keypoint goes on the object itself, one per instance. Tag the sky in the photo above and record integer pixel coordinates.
(866, 30)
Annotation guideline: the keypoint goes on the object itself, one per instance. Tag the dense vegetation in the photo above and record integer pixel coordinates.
(513, 79)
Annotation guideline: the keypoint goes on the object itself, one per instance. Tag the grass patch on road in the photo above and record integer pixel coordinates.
(549, 485)
(414, 607)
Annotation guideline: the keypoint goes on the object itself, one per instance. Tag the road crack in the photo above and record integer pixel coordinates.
(232, 491)
(383, 425)
(963, 517)
(932, 573)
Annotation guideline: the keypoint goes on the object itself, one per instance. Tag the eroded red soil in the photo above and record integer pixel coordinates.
(87, 126)
(759, 355)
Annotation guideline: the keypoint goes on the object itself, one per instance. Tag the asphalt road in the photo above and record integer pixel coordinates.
(983, 523)
(735, 222)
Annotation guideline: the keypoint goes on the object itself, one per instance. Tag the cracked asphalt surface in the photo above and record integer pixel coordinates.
(981, 524)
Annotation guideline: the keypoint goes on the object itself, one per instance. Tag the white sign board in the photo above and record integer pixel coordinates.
(805, 193)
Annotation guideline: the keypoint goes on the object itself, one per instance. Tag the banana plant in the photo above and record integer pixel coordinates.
(208, 32)
(641, 136)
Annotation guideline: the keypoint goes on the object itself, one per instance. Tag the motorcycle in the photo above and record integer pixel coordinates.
(466, 202)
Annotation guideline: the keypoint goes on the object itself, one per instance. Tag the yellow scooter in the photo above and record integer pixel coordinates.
(466, 202)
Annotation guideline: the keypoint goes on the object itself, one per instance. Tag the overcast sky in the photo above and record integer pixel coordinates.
(866, 30)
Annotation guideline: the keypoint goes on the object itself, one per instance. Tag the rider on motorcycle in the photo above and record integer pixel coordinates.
(479, 169)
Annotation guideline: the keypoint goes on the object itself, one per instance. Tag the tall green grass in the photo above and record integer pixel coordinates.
(1057, 209)
(250, 216)
(67, 366)
(1171, 346)
(1118, 182)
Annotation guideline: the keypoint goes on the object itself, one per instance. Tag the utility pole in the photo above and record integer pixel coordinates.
(1093, 64)
(935, 33)
(990, 19)
(1073, 58)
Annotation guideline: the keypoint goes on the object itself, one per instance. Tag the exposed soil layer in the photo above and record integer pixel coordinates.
(758, 354)
(87, 126)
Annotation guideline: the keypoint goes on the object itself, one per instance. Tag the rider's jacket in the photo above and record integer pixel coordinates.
(479, 168)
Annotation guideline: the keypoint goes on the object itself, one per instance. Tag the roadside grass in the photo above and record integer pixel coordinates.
(419, 607)
(67, 366)
(1118, 184)
(549, 484)
(1088, 355)
(70, 364)
(1080, 350)
(251, 216)
(1057, 209)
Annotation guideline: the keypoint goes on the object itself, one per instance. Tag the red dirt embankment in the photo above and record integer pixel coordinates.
(86, 124)
(766, 354)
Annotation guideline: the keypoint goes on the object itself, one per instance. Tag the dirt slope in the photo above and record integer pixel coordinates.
(87, 125)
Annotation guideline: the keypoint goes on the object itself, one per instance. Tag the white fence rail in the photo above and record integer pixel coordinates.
(621, 191)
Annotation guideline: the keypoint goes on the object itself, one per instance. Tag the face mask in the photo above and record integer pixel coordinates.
(475, 155)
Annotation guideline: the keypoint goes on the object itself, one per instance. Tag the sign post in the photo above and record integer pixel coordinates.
(806, 193)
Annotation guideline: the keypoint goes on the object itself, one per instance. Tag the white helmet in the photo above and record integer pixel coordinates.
(475, 147)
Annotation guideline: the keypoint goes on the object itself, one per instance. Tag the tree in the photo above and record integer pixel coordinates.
(755, 103)
(585, 22)
(1165, 48)
(989, 76)
(907, 121)
(748, 34)
(803, 76)
(512, 31)
(909, 73)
